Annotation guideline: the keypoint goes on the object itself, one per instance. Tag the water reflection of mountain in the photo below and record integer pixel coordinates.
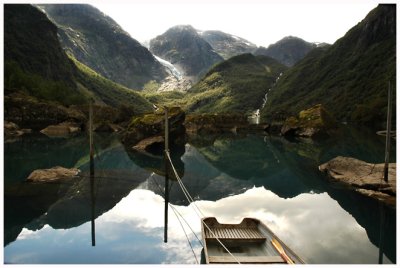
(39, 151)
(291, 168)
(155, 162)
(264, 162)
(65, 204)
(376, 219)
(211, 170)
(23, 201)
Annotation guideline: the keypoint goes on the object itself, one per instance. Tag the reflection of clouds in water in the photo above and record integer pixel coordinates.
(313, 225)
(26, 233)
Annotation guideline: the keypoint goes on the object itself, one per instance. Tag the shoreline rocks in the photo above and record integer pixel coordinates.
(52, 174)
(12, 130)
(215, 123)
(363, 177)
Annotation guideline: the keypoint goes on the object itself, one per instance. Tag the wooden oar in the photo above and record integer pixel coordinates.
(281, 251)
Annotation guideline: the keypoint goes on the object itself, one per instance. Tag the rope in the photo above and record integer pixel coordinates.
(185, 191)
(198, 239)
(187, 238)
(190, 199)
(177, 211)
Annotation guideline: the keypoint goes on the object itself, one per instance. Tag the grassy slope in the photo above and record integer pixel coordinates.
(101, 89)
(350, 78)
(235, 85)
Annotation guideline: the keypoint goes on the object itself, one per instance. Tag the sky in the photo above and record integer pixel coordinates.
(262, 22)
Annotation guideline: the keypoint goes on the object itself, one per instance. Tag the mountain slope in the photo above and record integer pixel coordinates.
(100, 43)
(33, 58)
(235, 85)
(227, 45)
(349, 78)
(107, 92)
(183, 46)
(36, 65)
(287, 51)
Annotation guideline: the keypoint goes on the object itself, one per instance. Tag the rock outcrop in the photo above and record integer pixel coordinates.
(147, 145)
(151, 125)
(365, 178)
(52, 174)
(62, 130)
(13, 130)
(313, 123)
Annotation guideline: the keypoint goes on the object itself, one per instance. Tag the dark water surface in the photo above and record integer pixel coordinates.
(269, 178)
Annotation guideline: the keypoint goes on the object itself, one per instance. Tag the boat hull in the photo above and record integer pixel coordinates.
(249, 242)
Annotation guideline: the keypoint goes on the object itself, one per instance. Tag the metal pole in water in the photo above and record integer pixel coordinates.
(92, 172)
(166, 193)
(388, 130)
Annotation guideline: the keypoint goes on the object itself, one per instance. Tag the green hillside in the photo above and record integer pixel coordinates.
(108, 92)
(350, 78)
(235, 85)
(36, 66)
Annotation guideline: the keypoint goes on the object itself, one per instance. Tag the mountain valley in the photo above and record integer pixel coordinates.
(202, 71)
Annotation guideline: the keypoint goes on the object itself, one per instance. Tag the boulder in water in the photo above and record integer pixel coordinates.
(365, 178)
(52, 174)
(62, 129)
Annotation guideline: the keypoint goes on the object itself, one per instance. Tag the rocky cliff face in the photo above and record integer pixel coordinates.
(184, 47)
(100, 43)
(227, 45)
(350, 78)
(287, 51)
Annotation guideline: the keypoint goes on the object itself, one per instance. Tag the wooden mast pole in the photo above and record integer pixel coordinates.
(166, 161)
(91, 153)
(388, 131)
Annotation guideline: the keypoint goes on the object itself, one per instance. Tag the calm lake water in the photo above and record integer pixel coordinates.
(120, 219)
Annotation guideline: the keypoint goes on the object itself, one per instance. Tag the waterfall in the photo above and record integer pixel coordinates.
(256, 113)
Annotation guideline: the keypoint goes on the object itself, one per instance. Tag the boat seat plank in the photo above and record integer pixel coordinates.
(234, 233)
(246, 259)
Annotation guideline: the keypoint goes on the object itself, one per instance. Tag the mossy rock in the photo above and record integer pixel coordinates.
(149, 125)
(313, 122)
